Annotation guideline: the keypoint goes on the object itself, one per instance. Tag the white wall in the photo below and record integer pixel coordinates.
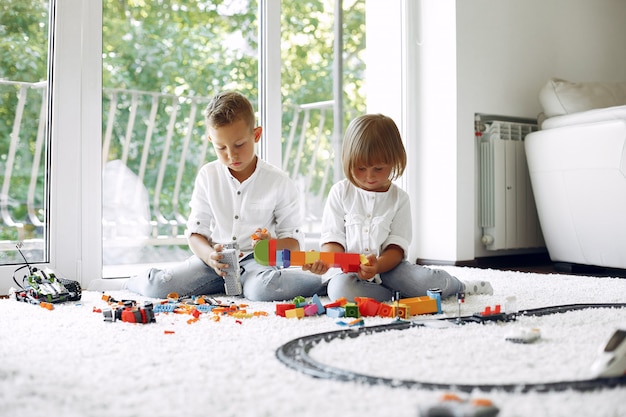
(475, 56)
(507, 50)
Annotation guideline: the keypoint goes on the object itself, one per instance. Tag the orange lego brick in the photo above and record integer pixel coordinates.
(297, 258)
(328, 257)
(420, 305)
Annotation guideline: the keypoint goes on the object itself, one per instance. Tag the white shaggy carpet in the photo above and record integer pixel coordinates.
(70, 362)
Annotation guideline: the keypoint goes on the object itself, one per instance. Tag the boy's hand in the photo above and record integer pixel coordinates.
(368, 271)
(260, 234)
(318, 267)
(215, 260)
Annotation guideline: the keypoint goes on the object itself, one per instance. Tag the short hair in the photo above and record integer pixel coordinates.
(228, 107)
(373, 139)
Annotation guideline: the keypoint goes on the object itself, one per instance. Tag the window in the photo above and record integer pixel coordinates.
(163, 61)
(313, 51)
(101, 108)
(24, 122)
(73, 114)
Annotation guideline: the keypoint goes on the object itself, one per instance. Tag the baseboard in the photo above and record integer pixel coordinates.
(541, 258)
(531, 262)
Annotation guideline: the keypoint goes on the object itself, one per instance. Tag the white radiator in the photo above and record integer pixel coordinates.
(508, 215)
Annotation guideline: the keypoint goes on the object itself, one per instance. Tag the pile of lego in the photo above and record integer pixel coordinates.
(362, 307)
(129, 311)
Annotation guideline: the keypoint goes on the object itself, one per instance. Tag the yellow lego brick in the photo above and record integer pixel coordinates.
(310, 257)
(401, 310)
(295, 313)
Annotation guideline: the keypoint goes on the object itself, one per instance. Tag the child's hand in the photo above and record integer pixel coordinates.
(215, 260)
(369, 270)
(260, 234)
(318, 267)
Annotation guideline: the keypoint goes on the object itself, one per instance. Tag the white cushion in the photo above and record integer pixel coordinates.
(590, 116)
(559, 97)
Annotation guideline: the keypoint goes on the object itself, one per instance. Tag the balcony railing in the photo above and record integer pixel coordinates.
(152, 147)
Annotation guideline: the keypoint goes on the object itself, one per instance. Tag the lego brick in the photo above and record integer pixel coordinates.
(335, 312)
(368, 306)
(295, 313)
(385, 310)
(297, 258)
(352, 310)
(320, 307)
(271, 251)
(310, 257)
(436, 295)
(310, 310)
(281, 308)
(401, 311)
(328, 257)
(420, 305)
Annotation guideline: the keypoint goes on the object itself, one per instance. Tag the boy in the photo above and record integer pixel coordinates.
(234, 198)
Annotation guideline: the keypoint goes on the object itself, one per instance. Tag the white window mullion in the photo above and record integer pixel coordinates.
(75, 188)
(270, 100)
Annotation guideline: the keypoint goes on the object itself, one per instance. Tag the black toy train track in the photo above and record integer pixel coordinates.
(295, 354)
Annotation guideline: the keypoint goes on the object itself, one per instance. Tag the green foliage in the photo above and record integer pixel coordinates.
(23, 58)
(23, 40)
(188, 49)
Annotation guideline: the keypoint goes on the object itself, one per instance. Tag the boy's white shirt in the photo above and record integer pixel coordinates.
(225, 210)
(366, 222)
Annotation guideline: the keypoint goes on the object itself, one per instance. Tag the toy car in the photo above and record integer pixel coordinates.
(451, 405)
(130, 313)
(524, 335)
(612, 359)
(46, 287)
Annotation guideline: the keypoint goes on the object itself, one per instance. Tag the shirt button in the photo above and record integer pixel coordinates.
(234, 237)
(238, 192)
(236, 217)
(198, 223)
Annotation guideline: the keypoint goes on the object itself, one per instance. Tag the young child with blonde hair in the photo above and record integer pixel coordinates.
(367, 213)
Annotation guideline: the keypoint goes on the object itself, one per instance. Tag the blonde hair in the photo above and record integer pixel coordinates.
(227, 108)
(373, 139)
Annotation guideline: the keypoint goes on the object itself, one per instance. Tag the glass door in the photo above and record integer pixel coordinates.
(24, 127)
(162, 62)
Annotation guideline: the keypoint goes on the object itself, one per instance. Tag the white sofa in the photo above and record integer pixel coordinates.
(577, 166)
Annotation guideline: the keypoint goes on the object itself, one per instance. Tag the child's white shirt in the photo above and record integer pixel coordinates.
(225, 210)
(366, 221)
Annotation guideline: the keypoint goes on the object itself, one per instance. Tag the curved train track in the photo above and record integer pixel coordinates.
(295, 354)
